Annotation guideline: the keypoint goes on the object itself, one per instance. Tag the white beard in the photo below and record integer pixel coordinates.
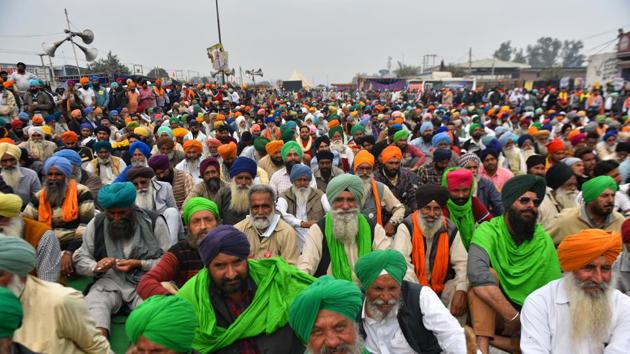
(429, 229)
(36, 148)
(301, 194)
(567, 199)
(104, 161)
(136, 163)
(591, 315)
(16, 286)
(12, 177)
(357, 348)
(345, 224)
(375, 313)
(144, 199)
(14, 228)
(240, 200)
(338, 146)
(367, 188)
(527, 153)
(262, 223)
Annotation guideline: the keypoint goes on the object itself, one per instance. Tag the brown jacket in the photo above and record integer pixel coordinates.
(314, 208)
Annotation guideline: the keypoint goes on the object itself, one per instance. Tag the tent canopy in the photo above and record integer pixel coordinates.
(298, 76)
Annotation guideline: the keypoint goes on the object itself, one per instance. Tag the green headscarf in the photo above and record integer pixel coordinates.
(260, 143)
(461, 215)
(165, 129)
(277, 285)
(10, 312)
(287, 134)
(327, 293)
(335, 129)
(344, 182)
(594, 187)
(196, 204)
(339, 263)
(401, 134)
(472, 128)
(358, 128)
(370, 266)
(521, 269)
(16, 255)
(288, 145)
(169, 321)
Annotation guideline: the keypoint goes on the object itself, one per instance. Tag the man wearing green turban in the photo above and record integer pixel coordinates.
(474, 144)
(162, 323)
(334, 244)
(324, 316)
(414, 312)
(357, 131)
(11, 314)
(280, 180)
(596, 211)
(181, 262)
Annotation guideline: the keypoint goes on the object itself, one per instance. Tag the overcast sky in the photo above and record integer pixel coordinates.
(327, 40)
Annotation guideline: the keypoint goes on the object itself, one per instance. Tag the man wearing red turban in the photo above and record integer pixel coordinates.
(582, 312)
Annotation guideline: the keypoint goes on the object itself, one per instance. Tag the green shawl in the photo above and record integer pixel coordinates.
(341, 268)
(521, 269)
(461, 215)
(277, 284)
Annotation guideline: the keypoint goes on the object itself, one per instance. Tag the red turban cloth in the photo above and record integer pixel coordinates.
(214, 142)
(391, 152)
(556, 145)
(192, 144)
(459, 177)
(69, 137)
(625, 231)
(578, 250)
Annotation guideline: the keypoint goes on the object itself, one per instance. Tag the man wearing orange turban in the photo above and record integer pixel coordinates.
(272, 162)
(400, 180)
(582, 312)
(191, 164)
(555, 152)
(228, 155)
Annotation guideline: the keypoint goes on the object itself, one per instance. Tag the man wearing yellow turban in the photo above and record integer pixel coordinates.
(582, 312)
(272, 162)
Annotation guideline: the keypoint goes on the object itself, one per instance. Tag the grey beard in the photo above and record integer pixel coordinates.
(261, 223)
(240, 200)
(15, 227)
(375, 313)
(430, 229)
(144, 199)
(301, 194)
(123, 229)
(77, 174)
(36, 148)
(56, 192)
(12, 177)
(16, 285)
(591, 314)
(566, 199)
(367, 188)
(345, 224)
(136, 163)
(104, 161)
(357, 348)
(338, 146)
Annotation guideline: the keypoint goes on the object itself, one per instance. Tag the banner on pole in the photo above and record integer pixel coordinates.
(219, 57)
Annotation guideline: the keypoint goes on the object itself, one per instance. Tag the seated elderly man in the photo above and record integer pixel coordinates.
(399, 316)
(22, 180)
(38, 148)
(621, 268)
(12, 314)
(105, 166)
(561, 194)
(233, 200)
(210, 182)
(267, 233)
(63, 205)
(119, 246)
(180, 181)
(138, 155)
(38, 235)
(334, 244)
(510, 256)
(166, 146)
(162, 324)
(596, 211)
(242, 304)
(78, 173)
(582, 312)
(324, 317)
(181, 262)
(56, 318)
(191, 164)
(301, 205)
(433, 249)
(291, 155)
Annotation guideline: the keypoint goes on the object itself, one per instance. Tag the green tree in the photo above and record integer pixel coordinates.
(570, 54)
(158, 73)
(519, 57)
(544, 53)
(404, 70)
(109, 65)
(505, 51)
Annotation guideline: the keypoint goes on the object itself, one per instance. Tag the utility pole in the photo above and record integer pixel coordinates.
(470, 60)
(216, 4)
(73, 49)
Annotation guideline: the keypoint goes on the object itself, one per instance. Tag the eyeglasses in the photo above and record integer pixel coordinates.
(527, 200)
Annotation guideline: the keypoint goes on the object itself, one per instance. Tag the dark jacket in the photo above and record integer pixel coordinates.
(228, 216)
(405, 190)
(42, 102)
(489, 196)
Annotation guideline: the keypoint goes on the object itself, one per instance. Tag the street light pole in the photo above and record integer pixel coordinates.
(216, 4)
(73, 49)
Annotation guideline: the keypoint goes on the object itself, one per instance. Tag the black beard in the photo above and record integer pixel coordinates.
(168, 179)
(325, 173)
(231, 288)
(277, 162)
(521, 228)
(460, 201)
(213, 184)
(389, 173)
(289, 166)
(123, 229)
(427, 139)
(600, 212)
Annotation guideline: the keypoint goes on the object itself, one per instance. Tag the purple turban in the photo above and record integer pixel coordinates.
(243, 164)
(210, 161)
(159, 162)
(223, 239)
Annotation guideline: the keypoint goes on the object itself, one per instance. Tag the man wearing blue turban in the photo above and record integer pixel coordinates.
(78, 173)
(105, 166)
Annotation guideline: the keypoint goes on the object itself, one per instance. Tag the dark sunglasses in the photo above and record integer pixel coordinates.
(527, 200)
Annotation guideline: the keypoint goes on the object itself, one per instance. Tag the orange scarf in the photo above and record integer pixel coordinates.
(69, 208)
(440, 266)
(377, 203)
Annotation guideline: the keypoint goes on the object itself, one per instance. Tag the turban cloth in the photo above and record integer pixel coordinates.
(10, 205)
(179, 132)
(69, 137)
(61, 163)
(506, 138)
(103, 129)
(164, 129)
(166, 142)
(243, 164)
(86, 126)
(557, 175)
(327, 155)
(556, 145)
(139, 171)
(472, 128)
(142, 131)
(594, 187)
(426, 126)
(117, 195)
(159, 162)
(439, 138)
(578, 139)
(274, 146)
(369, 267)
(38, 119)
(227, 150)
(16, 124)
(196, 204)
(570, 161)
(223, 239)
(194, 145)
(459, 177)
(16, 255)
(494, 144)
(327, 293)
(334, 130)
(576, 251)
(288, 146)
(49, 118)
(442, 155)
(521, 140)
(35, 130)
(47, 130)
(84, 80)
(255, 129)
(10, 312)
(516, 186)
(287, 134)
(260, 144)
(468, 157)
(270, 120)
(360, 158)
(333, 123)
(207, 162)
(357, 129)
(300, 170)
(489, 151)
(535, 160)
(70, 155)
(169, 321)
(10, 149)
(345, 182)
(131, 126)
(610, 133)
(100, 145)
(625, 231)
(214, 142)
(391, 152)
(401, 134)
(139, 145)
(427, 193)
